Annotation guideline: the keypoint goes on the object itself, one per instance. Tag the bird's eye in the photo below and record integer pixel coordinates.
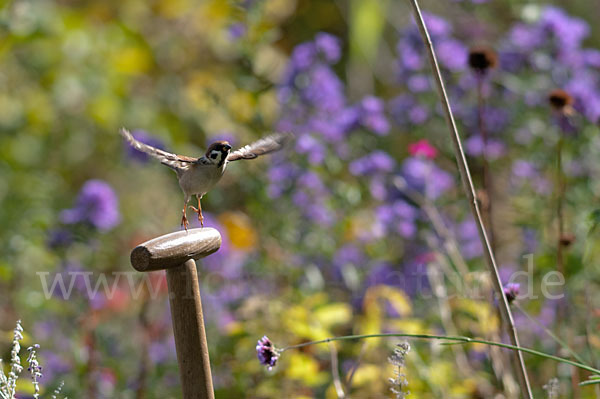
(213, 155)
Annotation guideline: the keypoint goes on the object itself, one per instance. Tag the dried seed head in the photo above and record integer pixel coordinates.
(567, 239)
(552, 388)
(399, 382)
(482, 58)
(560, 100)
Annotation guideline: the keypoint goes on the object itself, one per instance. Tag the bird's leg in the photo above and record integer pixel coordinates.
(199, 210)
(184, 221)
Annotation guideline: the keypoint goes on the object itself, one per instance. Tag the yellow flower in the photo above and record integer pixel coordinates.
(239, 230)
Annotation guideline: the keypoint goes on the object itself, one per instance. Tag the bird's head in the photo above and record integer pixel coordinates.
(217, 152)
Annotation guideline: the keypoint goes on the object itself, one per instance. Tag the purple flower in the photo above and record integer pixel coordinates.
(267, 353)
(436, 25)
(506, 271)
(511, 290)
(54, 365)
(348, 254)
(591, 57)
(399, 107)
(323, 89)
(311, 181)
(511, 60)
(347, 257)
(452, 54)
(496, 119)
(423, 175)
(375, 162)
(525, 172)
(158, 352)
(372, 115)
(530, 241)
(303, 56)
(329, 46)
(410, 57)
(584, 89)
(314, 149)
(317, 212)
(568, 31)
(145, 138)
(411, 277)
(59, 238)
(522, 169)
(333, 126)
(468, 237)
(403, 210)
(378, 188)
(281, 176)
(493, 150)
(406, 110)
(237, 30)
(372, 104)
(418, 114)
(97, 204)
(525, 38)
(418, 83)
(398, 217)
(381, 161)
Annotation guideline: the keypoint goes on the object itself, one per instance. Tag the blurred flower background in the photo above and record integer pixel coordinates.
(361, 227)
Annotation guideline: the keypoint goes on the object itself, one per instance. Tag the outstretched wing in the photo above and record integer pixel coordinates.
(271, 143)
(173, 161)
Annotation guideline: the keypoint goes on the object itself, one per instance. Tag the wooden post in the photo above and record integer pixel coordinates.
(177, 252)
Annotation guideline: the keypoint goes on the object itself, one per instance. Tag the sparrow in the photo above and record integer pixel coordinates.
(198, 175)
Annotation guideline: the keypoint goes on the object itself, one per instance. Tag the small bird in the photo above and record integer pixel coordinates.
(198, 175)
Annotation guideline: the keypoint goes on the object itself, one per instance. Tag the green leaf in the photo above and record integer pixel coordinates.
(594, 220)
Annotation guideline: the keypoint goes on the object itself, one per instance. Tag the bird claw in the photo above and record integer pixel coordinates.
(184, 222)
(199, 212)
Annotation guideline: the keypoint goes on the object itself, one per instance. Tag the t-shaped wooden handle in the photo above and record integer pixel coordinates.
(176, 252)
(172, 250)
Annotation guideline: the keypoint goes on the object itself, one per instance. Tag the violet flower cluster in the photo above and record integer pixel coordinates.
(97, 205)
(528, 46)
(316, 108)
(266, 352)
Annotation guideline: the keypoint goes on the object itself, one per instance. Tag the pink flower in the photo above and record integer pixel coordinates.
(422, 148)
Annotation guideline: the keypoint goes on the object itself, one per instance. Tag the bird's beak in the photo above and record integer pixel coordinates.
(227, 147)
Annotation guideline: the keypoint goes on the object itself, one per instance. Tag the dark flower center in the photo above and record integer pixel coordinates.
(559, 99)
(481, 59)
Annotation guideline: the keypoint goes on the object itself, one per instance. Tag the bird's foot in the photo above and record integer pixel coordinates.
(200, 217)
(184, 222)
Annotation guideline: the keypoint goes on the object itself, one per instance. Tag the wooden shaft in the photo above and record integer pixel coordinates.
(190, 335)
